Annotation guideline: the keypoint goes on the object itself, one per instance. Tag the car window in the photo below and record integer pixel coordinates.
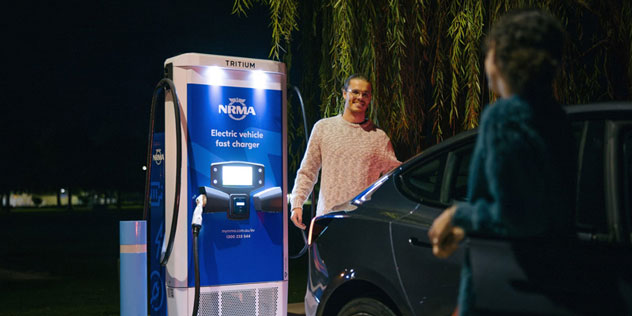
(461, 170)
(423, 181)
(591, 216)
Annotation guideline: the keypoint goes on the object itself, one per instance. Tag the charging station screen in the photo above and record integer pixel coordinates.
(236, 175)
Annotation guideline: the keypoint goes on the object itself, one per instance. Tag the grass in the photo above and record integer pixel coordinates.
(59, 262)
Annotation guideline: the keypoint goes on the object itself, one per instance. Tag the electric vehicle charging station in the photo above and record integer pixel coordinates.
(233, 154)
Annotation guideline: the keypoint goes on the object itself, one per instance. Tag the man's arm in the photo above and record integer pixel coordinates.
(390, 161)
(306, 177)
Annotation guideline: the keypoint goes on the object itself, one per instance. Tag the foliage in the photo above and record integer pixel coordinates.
(425, 59)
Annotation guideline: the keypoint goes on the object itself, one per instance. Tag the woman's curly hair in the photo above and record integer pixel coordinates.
(528, 48)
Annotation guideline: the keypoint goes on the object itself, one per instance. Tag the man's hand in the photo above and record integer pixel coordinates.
(297, 218)
(445, 238)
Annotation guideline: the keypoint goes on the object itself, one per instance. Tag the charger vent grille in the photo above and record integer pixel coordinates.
(247, 302)
(209, 304)
(268, 301)
(239, 303)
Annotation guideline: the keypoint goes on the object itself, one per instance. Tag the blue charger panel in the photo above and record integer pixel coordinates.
(156, 291)
(241, 125)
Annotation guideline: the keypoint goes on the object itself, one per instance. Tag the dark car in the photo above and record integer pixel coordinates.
(373, 256)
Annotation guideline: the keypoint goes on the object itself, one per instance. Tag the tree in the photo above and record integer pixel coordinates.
(426, 62)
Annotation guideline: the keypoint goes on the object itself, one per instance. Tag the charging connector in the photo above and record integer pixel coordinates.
(196, 226)
(200, 202)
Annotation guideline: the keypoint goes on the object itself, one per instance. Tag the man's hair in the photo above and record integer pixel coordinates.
(528, 48)
(354, 76)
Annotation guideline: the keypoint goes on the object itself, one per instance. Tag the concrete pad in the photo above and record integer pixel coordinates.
(296, 309)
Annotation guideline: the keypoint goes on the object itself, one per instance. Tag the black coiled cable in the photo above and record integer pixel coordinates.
(166, 84)
(196, 262)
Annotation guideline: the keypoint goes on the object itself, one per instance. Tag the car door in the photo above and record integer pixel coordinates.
(431, 284)
(590, 275)
(625, 180)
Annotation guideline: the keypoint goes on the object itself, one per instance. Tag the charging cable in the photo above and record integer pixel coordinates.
(167, 85)
(196, 226)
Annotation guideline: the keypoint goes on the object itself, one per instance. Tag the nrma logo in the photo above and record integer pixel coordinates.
(158, 156)
(237, 109)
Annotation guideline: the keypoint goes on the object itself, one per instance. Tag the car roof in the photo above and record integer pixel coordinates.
(618, 110)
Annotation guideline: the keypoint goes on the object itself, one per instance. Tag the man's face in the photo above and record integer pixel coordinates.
(358, 96)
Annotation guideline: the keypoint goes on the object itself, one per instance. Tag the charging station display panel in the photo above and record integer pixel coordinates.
(236, 176)
(236, 148)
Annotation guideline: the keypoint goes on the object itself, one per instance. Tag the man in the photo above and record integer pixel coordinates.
(522, 171)
(351, 151)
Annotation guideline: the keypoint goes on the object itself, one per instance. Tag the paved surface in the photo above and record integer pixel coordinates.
(296, 309)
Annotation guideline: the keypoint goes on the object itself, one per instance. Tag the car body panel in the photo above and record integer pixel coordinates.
(362, 236)
(430, 284)
(509, 278)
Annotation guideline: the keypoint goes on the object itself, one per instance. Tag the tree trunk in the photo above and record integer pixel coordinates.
(119, 200)
(6, 201)
(69, 199)
(58, 198)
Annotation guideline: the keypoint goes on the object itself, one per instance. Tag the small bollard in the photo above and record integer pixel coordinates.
(133, 261)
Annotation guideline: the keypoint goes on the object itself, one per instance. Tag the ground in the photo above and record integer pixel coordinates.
(58, 262)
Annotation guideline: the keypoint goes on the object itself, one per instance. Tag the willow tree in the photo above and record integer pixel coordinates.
(425, 58)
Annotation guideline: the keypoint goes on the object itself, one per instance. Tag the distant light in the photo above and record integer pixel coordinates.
(144, 168)
(62, 190)
(259, 79)
(214, 75)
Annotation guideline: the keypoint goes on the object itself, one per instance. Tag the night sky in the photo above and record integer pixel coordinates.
(78, 78)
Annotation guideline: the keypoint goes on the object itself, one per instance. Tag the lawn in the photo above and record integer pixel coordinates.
(58, 262)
